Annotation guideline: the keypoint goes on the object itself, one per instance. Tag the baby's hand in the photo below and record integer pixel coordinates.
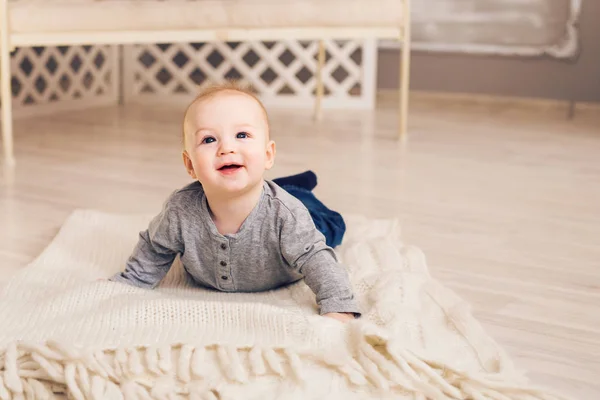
(343, 317)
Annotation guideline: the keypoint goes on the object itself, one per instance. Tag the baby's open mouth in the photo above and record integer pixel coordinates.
(230, 167)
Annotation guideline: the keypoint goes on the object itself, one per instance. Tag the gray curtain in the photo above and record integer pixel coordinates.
(526, 27)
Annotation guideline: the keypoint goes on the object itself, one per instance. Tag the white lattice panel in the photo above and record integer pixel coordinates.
(47, 79)
(283, 72)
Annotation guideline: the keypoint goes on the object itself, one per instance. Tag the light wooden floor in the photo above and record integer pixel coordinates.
(505, 203)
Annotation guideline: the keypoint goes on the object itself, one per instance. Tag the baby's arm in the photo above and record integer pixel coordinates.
(155, 251)
(305, 249)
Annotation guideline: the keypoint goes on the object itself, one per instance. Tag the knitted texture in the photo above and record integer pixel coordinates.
(63, 332)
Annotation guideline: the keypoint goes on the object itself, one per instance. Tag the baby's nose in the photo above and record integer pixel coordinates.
(226, 148)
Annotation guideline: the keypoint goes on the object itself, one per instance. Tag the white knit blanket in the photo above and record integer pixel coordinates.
(63, 332)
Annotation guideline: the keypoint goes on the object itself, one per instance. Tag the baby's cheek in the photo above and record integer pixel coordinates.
(202, 164)
(201, 172)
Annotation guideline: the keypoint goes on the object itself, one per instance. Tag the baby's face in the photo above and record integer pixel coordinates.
(227, 146)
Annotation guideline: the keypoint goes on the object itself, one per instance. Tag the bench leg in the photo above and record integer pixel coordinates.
(404, 73)
(5, 93)
(318, 113)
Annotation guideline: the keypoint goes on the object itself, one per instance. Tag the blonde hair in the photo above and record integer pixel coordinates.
(216, 88)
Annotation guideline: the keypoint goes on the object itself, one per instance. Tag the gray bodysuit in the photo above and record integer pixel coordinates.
(276, 245)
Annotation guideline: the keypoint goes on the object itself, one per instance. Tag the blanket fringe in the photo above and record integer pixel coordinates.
(37, 371)
(388, 365)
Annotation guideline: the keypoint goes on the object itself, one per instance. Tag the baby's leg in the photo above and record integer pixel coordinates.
(306, 180)
(330, 223)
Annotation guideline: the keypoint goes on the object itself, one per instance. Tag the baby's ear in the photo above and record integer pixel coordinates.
(187, 161)
(271, 150)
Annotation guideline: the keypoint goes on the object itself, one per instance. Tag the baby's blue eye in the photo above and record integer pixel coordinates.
(242, 135)
(208, 139)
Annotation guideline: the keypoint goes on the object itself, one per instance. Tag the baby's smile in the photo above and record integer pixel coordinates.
(229, 168)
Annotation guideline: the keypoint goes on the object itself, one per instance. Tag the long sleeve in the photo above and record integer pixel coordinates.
(305, 250)
(154, 252)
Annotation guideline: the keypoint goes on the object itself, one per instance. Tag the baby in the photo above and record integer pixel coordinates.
(234, 230)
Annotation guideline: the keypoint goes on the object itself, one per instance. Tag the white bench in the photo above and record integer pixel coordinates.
(79, 22)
